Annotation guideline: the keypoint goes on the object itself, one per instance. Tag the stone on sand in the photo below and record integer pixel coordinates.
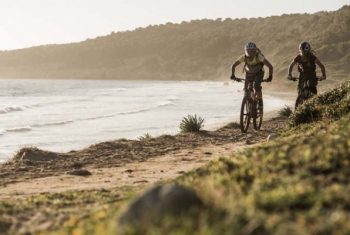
(158, 202)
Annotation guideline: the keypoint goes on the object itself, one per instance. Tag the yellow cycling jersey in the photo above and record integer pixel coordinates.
(253, 65)
(259, 58)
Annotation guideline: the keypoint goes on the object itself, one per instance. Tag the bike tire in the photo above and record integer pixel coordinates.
(258, 118)
(245, 115)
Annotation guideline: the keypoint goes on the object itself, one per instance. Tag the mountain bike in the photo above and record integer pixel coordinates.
(305, 92)
(250, 108)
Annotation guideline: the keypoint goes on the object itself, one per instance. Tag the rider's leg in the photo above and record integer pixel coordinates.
(300, 90)
(258, 89)
(246, 87)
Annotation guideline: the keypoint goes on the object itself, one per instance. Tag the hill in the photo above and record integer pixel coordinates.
(195, 50)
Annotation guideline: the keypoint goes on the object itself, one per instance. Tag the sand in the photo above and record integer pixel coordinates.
(123, 162)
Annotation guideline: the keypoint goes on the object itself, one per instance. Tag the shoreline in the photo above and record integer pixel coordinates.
(30, 167)
(208, 127)
(211, 127)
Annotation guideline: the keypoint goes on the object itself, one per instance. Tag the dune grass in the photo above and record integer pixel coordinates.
(286, 111)
(191, 123)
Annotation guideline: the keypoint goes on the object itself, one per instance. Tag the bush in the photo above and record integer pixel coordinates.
(330, 105)
(191, 124)
(286, 111)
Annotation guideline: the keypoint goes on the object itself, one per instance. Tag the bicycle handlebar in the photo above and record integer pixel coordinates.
(296, 78)
(243, 79)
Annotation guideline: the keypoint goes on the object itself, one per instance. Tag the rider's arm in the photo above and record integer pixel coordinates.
(290, 68)
(323, 69)
(269, 65)
(235, 64)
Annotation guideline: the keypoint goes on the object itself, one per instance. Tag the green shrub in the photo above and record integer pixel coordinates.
(306, 113)
(191, 124)
(286, 111)
(332, 105)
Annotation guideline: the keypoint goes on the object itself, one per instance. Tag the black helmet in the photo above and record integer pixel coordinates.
(305, 47)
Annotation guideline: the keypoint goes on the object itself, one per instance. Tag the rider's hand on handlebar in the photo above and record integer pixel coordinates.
(269, 79)
(233, 77)
(291, 78)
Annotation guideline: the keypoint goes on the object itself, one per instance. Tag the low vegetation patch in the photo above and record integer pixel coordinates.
(145, 137)
(286, 111)
(297, 185)
(191, 123)
(330, 105)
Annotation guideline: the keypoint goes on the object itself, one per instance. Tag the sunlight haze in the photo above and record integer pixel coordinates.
(26, 23)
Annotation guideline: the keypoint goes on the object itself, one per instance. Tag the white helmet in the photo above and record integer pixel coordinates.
(250, 46)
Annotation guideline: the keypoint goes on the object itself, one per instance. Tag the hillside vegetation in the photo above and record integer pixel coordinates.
(298, 184)
(195, 50)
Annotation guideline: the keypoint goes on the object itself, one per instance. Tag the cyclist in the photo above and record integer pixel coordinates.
(306, 62)
(254, 62)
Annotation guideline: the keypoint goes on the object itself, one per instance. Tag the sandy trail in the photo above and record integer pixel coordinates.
(120, 163)
(144, 173)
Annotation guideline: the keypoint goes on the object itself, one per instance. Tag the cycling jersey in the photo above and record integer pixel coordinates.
(306, 66)
(254, 65)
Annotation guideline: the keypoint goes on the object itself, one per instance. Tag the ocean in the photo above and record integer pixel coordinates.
(64, 115)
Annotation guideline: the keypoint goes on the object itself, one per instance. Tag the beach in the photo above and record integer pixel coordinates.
(64, 115)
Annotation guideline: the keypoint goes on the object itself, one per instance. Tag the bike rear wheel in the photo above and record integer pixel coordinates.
(245, 115)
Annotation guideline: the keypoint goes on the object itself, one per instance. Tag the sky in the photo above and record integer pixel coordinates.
(26, 23)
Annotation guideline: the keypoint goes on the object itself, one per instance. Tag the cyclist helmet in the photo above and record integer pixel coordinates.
(304, 47)
(250, 49)
(250, 46)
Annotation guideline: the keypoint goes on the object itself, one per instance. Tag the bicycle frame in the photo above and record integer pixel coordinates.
(305, 92)
(249, 108)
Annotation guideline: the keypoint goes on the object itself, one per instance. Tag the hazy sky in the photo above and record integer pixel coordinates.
(25, 23)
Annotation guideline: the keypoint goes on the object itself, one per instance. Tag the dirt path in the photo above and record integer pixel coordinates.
(144, 173)
(123, 162)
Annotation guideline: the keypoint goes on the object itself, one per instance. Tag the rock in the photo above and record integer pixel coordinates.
(271, 137)
(79, 172)
(76, 165)
(158, 202)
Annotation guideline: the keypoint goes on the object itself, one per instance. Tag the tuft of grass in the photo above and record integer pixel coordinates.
(191, 123)
(146, 136)
(286, 111)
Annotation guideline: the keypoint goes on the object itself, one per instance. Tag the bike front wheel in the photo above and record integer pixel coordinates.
(258, 117)
(299, 101)
(245, 115)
